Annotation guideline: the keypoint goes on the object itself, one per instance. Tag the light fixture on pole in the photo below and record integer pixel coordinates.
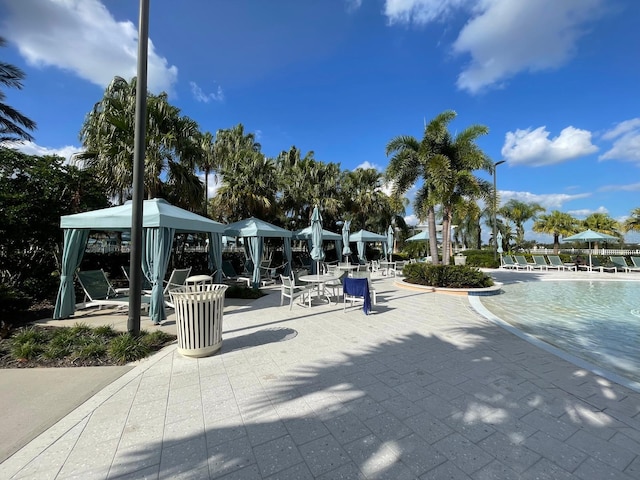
(495, 208)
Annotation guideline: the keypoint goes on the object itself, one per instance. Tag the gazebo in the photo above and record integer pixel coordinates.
(305, 234)
(361, 237)
(254, 231)
(160, 222)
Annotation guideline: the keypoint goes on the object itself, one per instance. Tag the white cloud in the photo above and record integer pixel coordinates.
(411, 220)
(31, 148)
(631, 187)
(421, 11)
(200, 96)
(366, 165)
(585, 212)
(353, 5)
(626, 141)
(215, 182)
(534, 148)
(550, 201)
(504, 37)
(82, 36)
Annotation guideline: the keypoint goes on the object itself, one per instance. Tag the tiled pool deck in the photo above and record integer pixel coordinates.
(423, 388)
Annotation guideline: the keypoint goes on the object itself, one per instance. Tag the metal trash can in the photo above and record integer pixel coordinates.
(199, 310)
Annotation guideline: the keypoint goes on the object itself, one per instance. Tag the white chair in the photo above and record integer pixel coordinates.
(177, 279)
(290, 290)
(372, 291)
(356, 290)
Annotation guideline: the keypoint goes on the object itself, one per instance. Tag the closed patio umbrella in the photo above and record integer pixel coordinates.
(345, 238)
(390, 243)
(317, 253)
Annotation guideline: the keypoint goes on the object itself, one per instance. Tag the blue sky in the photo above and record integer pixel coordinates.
(555, 81)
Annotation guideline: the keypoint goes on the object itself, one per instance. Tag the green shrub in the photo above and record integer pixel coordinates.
(106, 331)
(155, 340)
(27, 350)
(127, 348)
(446, 276)
(29, 334)
(481, 258)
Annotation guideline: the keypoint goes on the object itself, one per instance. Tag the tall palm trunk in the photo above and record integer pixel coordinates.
(433, 239)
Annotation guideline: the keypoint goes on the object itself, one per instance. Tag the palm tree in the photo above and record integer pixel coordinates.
(632, 223)
(248, 189)
(13, 124)
(556, 223)
(410, 163)
(452, 168)
(519, 213)
(207, 162)
(363, 197)
(172, 146)
(601, 222)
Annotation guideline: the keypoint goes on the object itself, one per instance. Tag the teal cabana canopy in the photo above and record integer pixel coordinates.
(254, 231)
(361, 237)
(160, 222)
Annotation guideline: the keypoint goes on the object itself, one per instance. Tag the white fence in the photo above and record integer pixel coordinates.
(586, 251)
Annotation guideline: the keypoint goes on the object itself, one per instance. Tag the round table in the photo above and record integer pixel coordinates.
(320, 280)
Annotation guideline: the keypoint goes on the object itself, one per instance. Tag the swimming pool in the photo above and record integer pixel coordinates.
(596, 321)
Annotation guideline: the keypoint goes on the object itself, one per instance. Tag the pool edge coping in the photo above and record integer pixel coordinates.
(476, 303)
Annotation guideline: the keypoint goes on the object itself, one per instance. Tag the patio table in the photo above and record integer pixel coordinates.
(319, 281)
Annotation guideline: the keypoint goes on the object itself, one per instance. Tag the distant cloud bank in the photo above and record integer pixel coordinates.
(84, 38)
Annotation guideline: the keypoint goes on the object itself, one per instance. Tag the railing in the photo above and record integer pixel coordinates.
(593, 251)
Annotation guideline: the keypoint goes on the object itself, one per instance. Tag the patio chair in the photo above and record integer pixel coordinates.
(367, 275)
(636, 265)
(597, 265)
(507, 262)
(146, 284)
(289, 289)
(356, 290)
(540, 262)
(620, 263)
(335, 285)
(556, 262)
(522, 262)
(99, 292)
(177, 279)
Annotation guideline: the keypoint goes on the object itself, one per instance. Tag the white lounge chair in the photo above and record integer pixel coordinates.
(99, 291)
(289, 289)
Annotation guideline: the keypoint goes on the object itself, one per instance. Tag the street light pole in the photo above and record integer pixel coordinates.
(495, 208)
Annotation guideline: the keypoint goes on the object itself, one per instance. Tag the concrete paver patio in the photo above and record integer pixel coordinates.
(423, 388)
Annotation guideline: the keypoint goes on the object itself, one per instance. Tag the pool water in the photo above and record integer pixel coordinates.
(597, 321)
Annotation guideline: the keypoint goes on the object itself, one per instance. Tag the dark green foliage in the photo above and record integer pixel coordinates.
(128, 348)
(481, 258)
(12, 303)
(80, 345)
(446, 276)
(34, 193)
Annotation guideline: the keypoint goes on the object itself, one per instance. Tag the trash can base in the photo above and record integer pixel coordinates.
(200, 352)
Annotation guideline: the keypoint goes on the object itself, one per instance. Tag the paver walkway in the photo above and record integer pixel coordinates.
(422, 388)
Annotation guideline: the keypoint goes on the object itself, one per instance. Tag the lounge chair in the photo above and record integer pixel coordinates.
(289, 289)
(596, 265)
(99, 292)
(556, 262)
(636, 265)
(621, 264)
(508, 262)
(146, 284)
(522, 262)
(540, 262)
(177, 279)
